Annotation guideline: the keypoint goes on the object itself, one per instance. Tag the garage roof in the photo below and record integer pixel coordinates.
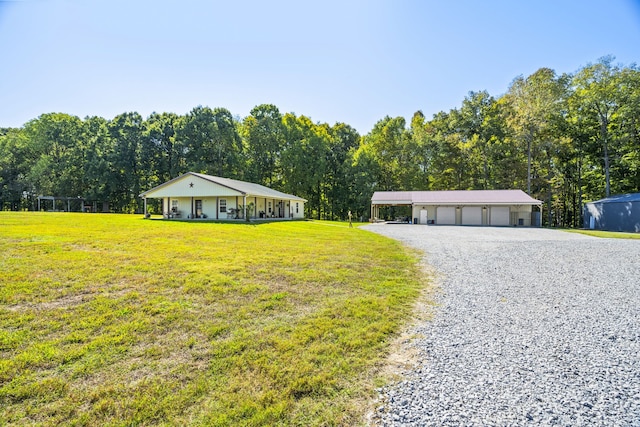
(622, 198)
(454, 197)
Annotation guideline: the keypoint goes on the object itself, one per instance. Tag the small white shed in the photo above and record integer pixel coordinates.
(195, 195)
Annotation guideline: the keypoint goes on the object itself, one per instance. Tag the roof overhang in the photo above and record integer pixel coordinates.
(454, 198)
(216, 186)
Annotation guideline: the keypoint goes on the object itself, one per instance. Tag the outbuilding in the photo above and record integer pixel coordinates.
(615, 213)
(196, 195)
(463, 207)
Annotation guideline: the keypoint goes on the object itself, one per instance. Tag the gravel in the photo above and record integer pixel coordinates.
(532, 326)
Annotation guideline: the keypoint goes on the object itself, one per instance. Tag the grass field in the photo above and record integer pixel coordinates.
(112, 319)
(607, 234)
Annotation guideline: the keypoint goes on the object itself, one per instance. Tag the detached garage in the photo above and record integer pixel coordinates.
(616, 213)
(463, 207)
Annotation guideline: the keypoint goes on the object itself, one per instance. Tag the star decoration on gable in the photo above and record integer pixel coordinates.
(191, 185)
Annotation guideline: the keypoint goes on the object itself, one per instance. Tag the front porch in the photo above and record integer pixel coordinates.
(228, 208)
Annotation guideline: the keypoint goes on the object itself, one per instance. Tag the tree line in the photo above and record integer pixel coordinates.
(564, 139)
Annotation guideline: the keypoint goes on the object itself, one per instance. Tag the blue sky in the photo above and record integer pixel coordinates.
(334, 61)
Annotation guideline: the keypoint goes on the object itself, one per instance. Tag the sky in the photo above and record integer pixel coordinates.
(348, 61)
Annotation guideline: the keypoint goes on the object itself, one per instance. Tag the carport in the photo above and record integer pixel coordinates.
(463, 207)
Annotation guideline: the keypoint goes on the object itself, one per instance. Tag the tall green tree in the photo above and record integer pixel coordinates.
(211, 142)
(364, 174)
(598, 86)
(482, 128)
(263, 134)
(387, 145)
(535, 103)
(126, 162)
(423, 159)
(446, 149)
(625, 133)
(97, 168)
(305, 161)
(168, 155)
(57, 155)
(340, 192)
(15, 190)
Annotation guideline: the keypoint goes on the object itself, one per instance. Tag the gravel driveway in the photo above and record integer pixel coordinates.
(533, 326)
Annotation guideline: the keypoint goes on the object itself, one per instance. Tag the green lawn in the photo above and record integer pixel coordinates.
(112, 319)
(607, 234)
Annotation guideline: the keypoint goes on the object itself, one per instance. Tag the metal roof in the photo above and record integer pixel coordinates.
(454, 197)
(243, 187)
(620, 198)
(248, 188)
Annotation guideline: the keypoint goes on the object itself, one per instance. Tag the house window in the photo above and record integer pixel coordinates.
(174, 206)
(223, 205)
(269, 207)
(296, 207)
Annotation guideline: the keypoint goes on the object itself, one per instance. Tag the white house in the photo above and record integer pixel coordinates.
(464, 207)
(195, 195)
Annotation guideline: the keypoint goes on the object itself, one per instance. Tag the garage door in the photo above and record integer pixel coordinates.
(471, 215)
(446, 216)
(499, 215)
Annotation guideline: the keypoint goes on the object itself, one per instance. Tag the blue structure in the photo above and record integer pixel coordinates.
(615, 213)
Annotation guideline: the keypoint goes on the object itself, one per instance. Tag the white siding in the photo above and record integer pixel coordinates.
(418, 210)
(192, 186)
(297, 209)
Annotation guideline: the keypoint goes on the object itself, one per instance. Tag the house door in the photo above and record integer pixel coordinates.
(198, 208)
(423, 216)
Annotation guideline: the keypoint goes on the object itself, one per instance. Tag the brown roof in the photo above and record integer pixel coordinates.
(454, 197)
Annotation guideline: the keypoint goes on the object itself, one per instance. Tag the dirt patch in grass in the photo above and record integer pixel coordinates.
(402, 355)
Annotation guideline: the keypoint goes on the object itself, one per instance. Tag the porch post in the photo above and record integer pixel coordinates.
(244, 207)
(145, 206)
(192, 207)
